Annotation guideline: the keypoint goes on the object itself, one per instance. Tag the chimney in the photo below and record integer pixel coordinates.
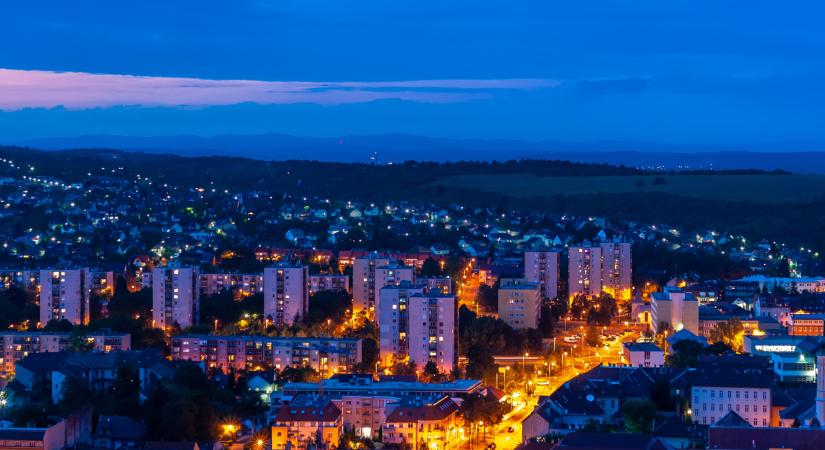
(820, 389)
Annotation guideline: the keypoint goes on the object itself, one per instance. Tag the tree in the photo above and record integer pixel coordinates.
(730, 333)
(660, 396)
(430, 268)
(404, 368)
(60, 326)
(480, 363)
(431, 370)
(638, 416)
(487, 298)
(578, 306)
(684, 354)
(592, 337)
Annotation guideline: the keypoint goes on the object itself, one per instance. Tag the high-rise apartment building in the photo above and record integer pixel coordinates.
(432, 335)
(519, 303)
(286, 293)
(542, 268)
(364, 289)
(175, 297)
(64, 294)
(584, 270)
(617, 269)
(392, 319)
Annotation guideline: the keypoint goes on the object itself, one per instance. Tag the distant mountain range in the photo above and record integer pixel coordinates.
(384, 148)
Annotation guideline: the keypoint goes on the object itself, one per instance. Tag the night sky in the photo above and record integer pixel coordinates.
(702, 71)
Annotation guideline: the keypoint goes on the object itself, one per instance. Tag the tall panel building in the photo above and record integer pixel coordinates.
(391, 275)
(175, 297)
(617, 269)
(286, 293)
(432, 330)
(392, 319)
(364, 290)
(542, 267)
(64, 294)
(584, 270)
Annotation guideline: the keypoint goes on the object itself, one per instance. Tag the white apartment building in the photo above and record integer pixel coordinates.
(64, 294)
(175, 297)
(715, 394)
(676, 308)
(643, 354)
(433, 329)
(542, 268)
(286, 293)
(392, 320)
(364, 289)
(519, 304)
(617, 269)
(584, 270)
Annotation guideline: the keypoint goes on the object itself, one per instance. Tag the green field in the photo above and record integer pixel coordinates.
(754, 188)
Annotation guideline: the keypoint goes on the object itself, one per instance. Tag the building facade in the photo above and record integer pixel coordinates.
(364, 290)
(617, 269)
(433, 329)
(328, 282)
(64, 295)
(676, 309)
(175, 297)
(327, 356)
(584, 266)
(18, 345)
(240, 284)
(519, 304)
(286, 293)
(393, 324)
(542, 268)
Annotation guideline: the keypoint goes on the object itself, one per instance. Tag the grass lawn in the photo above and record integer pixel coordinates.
(754, 188)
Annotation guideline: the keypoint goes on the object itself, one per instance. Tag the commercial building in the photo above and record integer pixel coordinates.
(542, 268)
(519, 304)
(327, 356)
(617, 269)
(175, 297)
(676, 309)
(584, 266)
(364, 289)
(64, 295)
(286, 293)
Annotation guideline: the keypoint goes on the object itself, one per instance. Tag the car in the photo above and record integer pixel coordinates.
(491, 446)
(542, 382)
(571, 339)
(510, 429)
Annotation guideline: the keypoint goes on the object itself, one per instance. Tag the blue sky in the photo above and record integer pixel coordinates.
(701, 71)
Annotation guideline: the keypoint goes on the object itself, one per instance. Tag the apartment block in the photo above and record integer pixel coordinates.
(328, 282)
(432, 330)
(584, 270)
(18, 345)
(175, 297)
(364, 289)
(64, 295)
(542, 268)
(286, 293)
(392, 321)
(240, 284)
(519, 303)
(328, 356)
(617, 269)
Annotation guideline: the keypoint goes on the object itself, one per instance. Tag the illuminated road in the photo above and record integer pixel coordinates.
(579, 360)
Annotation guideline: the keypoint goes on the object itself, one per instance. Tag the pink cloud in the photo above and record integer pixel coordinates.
(77, 90)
